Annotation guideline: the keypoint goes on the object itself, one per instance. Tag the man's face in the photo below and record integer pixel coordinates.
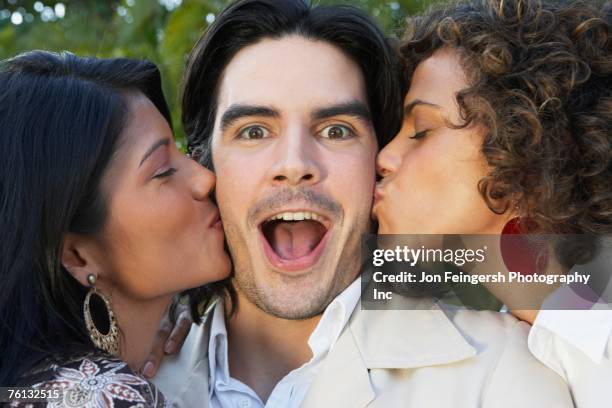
(294, 152)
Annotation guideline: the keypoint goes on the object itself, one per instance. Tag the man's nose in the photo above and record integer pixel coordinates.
(295, 160)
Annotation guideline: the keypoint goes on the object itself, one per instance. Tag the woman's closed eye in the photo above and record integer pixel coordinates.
(420, 135)
(163, 173)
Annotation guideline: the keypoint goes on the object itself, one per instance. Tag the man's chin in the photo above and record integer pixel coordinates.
(295, 314)
(288, 301)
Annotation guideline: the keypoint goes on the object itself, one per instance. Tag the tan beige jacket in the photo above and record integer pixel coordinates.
(404, 358)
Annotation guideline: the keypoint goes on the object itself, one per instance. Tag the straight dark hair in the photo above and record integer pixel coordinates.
(246, 22)
(61, 118)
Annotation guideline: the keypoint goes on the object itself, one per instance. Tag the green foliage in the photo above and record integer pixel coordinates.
(162, 31)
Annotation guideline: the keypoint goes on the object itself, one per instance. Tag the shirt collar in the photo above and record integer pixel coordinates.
(586, 330)
(217, 347)
(321, 341)
(334, 319)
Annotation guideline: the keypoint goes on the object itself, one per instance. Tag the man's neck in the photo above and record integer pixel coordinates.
(262, 349)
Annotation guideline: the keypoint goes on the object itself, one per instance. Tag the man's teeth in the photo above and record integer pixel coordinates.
(296, 216)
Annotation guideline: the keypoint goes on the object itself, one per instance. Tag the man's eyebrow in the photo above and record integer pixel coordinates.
(408, 108)
(154, 146)
(235, 112)
(352, 108)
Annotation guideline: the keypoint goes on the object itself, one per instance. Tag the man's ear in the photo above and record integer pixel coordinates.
(77, 258)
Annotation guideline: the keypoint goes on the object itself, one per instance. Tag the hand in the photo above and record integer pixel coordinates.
(169, 338)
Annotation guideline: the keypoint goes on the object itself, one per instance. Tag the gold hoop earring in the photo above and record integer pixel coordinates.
(108, 342)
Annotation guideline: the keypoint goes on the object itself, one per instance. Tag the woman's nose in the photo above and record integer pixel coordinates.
(387, 161)
(203, 181)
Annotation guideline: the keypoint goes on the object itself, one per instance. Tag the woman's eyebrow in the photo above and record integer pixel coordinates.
(152, 148)
(418, 102)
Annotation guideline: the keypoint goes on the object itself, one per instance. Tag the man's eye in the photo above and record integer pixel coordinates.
(166, 173)
(337, 132)
(253, 132)
(419, 135)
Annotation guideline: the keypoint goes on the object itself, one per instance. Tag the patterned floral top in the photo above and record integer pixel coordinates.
(94, 382)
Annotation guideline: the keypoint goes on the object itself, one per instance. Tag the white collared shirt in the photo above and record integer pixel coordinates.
(589, 331)
(226, 392)
(557, 334)
(577, 344)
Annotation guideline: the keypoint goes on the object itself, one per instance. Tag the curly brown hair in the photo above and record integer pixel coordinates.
(540, 82)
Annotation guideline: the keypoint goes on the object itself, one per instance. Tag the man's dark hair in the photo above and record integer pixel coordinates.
(246, 22)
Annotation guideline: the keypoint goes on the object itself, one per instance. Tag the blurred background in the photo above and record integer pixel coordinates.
(163, 31)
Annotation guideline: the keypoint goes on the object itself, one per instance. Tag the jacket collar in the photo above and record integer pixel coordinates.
(183, 378)
(415, 333)
(418, 336)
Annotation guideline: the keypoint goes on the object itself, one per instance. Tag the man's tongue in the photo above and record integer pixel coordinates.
(292, 240)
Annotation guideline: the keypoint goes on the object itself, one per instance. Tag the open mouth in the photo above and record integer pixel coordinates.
(293, 240)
